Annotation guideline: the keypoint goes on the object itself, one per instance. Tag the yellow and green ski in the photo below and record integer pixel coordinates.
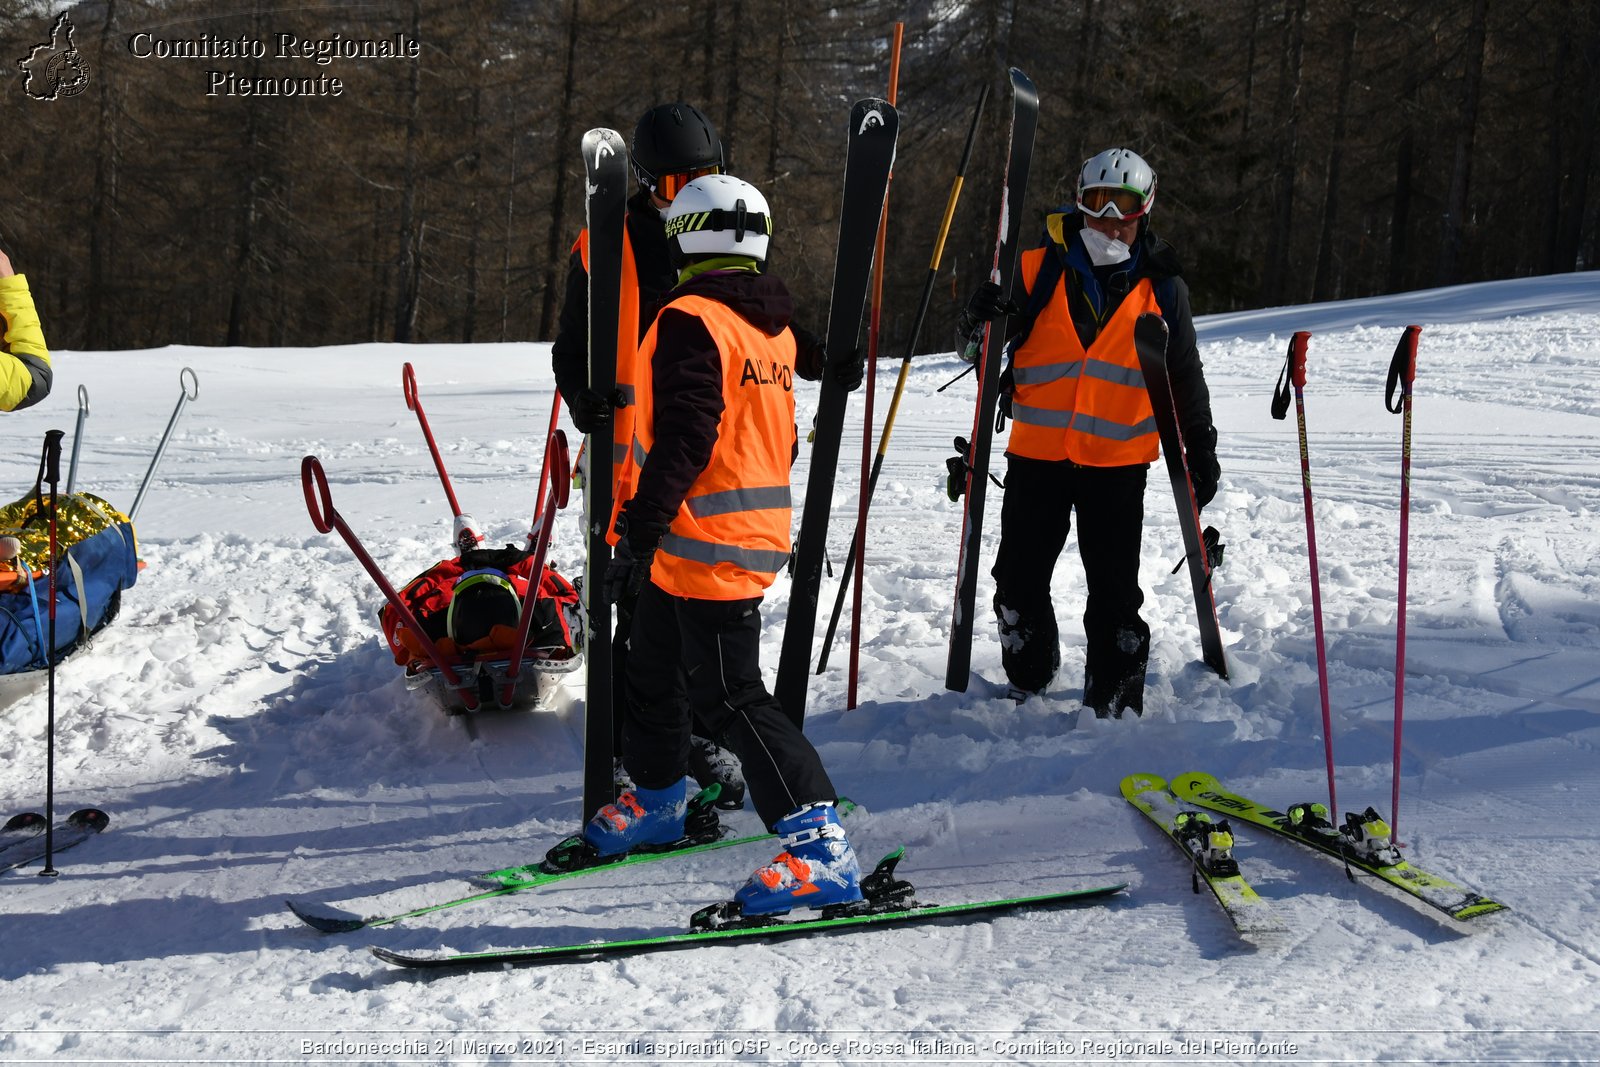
(1209, 846)
(1362, 843)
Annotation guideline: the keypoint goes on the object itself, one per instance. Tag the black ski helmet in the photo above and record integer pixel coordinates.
(672, 139)
(481, 600)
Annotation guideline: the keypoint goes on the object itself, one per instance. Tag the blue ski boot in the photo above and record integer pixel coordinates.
(639, 817)
(816, 868)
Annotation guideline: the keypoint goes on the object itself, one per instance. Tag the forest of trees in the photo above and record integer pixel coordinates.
(1306, 151)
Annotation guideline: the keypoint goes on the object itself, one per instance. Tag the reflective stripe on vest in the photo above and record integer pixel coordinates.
(730, 537)
(1091, 406)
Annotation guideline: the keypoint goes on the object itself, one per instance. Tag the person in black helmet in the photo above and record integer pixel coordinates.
(672, 145)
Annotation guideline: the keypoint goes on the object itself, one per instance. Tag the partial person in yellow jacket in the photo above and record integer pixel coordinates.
(703, 533)
(25, 365)
(1083, 431)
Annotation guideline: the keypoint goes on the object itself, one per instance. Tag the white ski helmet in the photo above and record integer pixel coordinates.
(1117, 183)
(719, 215)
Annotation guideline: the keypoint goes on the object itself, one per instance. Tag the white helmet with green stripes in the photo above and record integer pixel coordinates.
(719, 215)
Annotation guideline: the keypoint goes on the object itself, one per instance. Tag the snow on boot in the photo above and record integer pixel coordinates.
(621, 780)
(639, 817)
(710, 762)
(816, 868)
(466, 536)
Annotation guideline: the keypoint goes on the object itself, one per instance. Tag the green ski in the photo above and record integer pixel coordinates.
(1363, 842)
(1209, 846)
(888, 902)
(333, 920)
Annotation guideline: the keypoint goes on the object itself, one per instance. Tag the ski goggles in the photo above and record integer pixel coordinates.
(1115, 201)
(668, 186)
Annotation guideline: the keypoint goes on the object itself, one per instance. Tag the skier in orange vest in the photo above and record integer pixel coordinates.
(672, 144)
(703, 533)
(1083, 431)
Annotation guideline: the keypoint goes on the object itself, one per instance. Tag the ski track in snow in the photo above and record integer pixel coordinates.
(244, 725)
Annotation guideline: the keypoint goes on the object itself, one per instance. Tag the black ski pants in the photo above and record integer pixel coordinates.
(1035, 518)
(705, 654)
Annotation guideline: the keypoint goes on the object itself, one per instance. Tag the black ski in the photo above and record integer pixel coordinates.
(1150, 338)
(888, 901)
(1024, 121)
(605, 162)
(874, 128)
(78, 828)
(20, 828)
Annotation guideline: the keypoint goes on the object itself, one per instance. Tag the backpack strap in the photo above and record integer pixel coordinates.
(1044, 286)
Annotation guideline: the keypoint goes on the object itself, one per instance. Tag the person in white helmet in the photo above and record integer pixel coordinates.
(672, 144)
(1083, 431)
(702, 534)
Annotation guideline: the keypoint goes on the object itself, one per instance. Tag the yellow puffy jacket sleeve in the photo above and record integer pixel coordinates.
(25, 364)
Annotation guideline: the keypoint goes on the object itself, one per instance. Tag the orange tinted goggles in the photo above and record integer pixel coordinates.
(1112, 200)
(668, 186)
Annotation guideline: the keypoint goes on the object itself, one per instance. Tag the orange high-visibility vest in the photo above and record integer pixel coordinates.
(627, 364)
(730, 537)
(1089, 407)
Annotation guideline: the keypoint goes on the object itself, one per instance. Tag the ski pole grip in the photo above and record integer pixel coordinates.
(52, 456)
(319, 500)
(560, 466)
(1402, 370)
(1293, 374)
(1297, 358)
(408, 385)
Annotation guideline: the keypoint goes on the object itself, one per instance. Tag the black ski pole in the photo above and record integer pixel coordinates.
(50, 471)
(905, 370)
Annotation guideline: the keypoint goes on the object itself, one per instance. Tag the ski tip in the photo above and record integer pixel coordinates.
(401, 959)
(1134, 784)
(28, 820)
(92, 819)
(326, 922)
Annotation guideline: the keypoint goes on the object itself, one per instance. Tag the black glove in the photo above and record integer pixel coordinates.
(631, 560)
(849, 370)
(1204, 471)
(1008, 389)
(591, 410)
(983, 306)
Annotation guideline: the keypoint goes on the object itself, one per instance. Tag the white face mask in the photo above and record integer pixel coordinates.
(1103, 250)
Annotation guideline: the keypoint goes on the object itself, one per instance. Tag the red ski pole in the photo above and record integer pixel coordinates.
(465, 536)
(326, 518)
(555, 453)
(1402, 372)
(1294, 373)
(544, 467)
(865, 497)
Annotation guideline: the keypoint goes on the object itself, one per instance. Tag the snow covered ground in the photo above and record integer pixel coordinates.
(252, 740)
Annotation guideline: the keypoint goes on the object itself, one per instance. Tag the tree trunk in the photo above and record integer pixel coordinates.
(1405, 150)
(554, 261)
(1455, 212)
(1326, 285)
(775, 124)
(1287, 114)
(408, 264)
(103, 210)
